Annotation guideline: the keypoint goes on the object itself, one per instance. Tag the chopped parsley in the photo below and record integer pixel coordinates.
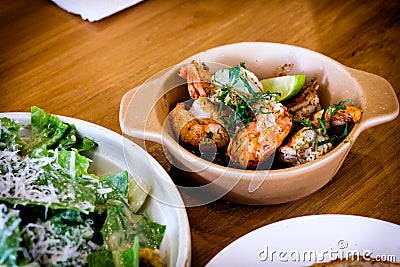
(238, 93)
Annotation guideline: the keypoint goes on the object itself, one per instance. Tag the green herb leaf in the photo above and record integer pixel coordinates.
(304, 122)
(343, 102)
(322, 125)
(334, 138)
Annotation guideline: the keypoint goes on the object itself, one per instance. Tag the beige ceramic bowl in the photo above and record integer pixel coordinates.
(144, 111)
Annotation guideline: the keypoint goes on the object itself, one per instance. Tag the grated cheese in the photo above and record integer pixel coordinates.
(18, 176)
(72, 171)
(50, 247)
(102, 191)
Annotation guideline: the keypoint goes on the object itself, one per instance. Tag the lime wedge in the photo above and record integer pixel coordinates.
(287, 86)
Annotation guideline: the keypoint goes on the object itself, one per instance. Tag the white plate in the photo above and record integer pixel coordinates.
(304, 240)
(116, 153)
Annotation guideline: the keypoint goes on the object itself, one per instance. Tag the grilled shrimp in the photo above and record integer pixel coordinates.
(253, 145)
(198, 78)
(310, 142)
(306, 102)
(337, 117)
(198, 128)
(304, 146)
(199, 124)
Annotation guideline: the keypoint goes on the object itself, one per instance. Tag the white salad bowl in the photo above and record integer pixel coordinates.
(164, 205)
(144, 115)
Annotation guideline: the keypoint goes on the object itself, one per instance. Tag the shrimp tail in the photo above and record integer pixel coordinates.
(337, 117)
(198, 79)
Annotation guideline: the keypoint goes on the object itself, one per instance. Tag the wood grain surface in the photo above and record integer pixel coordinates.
(68, 66)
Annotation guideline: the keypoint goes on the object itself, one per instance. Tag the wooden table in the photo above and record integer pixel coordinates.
(67, 66)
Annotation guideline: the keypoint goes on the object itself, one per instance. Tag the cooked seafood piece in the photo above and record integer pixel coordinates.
(198, 78)
(198, 125)
(239, 82)
(337, 116)
(306, 102)
(313, 141)
(253, 145)
(269, 122)
(304, 146)
(283, 70)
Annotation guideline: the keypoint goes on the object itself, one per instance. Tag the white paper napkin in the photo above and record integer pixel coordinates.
(93, 10)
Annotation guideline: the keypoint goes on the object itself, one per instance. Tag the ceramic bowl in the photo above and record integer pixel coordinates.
(144, 112)
(114, 154)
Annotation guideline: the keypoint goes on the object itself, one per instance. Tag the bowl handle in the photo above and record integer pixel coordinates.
(139, 114)
(380, 102)
(136, 117)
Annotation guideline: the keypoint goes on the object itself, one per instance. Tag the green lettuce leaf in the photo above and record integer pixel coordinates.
(125, 258)
(129, 257)
(122, 226)
(46, 129)
(69, 176)
(57, 185)
(101, 258)
(119, 182)
(119, 227)
(9, 135)
(150, 233)
(113, 186)
(72, 139)
(10, 236)
(123, 189)
(49, 130)
(125, 229)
